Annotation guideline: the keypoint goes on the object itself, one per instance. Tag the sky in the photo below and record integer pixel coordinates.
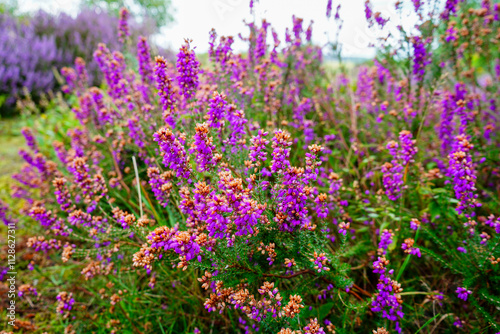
(195, 18)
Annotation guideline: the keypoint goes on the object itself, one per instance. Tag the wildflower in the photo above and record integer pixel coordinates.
(293, 307)
(4, 217)
(380, 330)
(458, 323)
(65, 303)
(165, 90)
(68, 251)
(320, 261)
(420, 57)
(160, 184)
(144, 60)
(313, 327)
(291, 197)
(204, 148)
(217, 111)
(344, 227)
(70, 76)
(123, 29)
(407, 246)
(461, 170)
(388, 299)
(408, 149)
(258, 148)
(187, 68)
(174, 154)
(321, 206)
(281, 151)
(463, 293)
(484, 238)
(385, 240)
(414, 224)
(81, 71)
(290, 263)
(30, 139)
(25, 290)
(329, 9)
(260, 43)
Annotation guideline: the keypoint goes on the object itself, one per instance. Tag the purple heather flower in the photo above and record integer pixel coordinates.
(313, 328)
(321, 207)
(123, 28)
(203, 148)
(281, 151)
(393, 172)
(408, 149)
(217, 110)
(462, 171)
(450, 7)
(62, 194)
(160, 185)
(136, 132)
(297, 29)
(4, 217)
(387, 300)
(258, 148)
(291, 199)
(144, 60)
(174, 153)
(329, 9)
(407, 246)
(320, 260)
(420, 57)
(25, 290)
(458, 323)
(417, 4)
(3, 273)
(30, 139)
(187, 69)
(260, 42)
(165, 90)
(42, 244)
(446, 125)
(414, 224)
(380, 20)
(81, 71)
(493, 223)
(237, 131)
(385, 239)
(368, 12)
(66, 302)
(70, 76)
(463, 293)
(392, 179)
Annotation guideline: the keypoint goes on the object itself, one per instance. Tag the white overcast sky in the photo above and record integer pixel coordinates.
(195, 18)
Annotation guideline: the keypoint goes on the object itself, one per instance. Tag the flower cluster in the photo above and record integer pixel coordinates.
(462, 171)
(187, 67)
(267, 172)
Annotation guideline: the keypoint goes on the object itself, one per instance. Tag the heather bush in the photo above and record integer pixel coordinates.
(263, 193)
(31, 50)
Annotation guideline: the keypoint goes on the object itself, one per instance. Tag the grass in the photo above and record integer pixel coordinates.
(12, 141)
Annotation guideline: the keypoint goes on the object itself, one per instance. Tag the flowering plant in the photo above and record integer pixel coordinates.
(267, 189)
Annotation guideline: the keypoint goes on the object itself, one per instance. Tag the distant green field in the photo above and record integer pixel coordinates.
(11, 141)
